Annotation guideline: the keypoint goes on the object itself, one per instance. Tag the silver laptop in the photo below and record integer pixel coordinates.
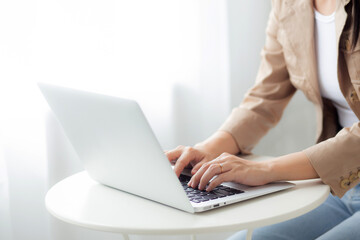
(118, 148)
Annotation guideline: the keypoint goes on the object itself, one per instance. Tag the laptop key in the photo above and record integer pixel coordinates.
(221, 195)
(211, 197)
(236, 191)
(221, 192)
(198, 198)
(195, 195)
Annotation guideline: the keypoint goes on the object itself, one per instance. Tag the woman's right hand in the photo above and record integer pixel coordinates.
(184, 156)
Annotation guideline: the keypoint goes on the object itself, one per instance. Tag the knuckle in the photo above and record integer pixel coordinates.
(228, 155)
(189, 150)
(205, 165)
(212, 167)
(180, 147)
(227, 158)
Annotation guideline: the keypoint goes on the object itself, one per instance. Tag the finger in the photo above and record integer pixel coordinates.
(184, 160)
(195, 179)
(197, 167)
(215, 169)
(225, 177)
(212, 171)
(175, 153)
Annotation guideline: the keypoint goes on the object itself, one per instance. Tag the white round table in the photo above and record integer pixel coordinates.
(81, 201)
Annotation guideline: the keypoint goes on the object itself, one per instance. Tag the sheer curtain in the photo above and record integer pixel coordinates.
(170, 56)
(5, 226)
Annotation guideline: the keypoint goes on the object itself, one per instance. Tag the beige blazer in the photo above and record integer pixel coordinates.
(289, 63)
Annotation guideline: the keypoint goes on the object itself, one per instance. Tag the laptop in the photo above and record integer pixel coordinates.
(118, 148)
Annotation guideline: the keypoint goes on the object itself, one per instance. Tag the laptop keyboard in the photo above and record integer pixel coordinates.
(197, 196)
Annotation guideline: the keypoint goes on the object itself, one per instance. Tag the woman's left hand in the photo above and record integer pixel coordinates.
(230, 168)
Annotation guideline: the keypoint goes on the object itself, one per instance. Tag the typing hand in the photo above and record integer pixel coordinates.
(185, 156)
(230, 168)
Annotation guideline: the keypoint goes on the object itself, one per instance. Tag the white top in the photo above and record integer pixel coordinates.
(326, 52)
(81, 201)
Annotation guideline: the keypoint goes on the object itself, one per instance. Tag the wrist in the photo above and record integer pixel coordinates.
(209, 149)
(294, 166)
(219, 143)
(267, 172)
(273, 170)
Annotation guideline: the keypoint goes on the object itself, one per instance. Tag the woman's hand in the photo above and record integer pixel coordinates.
(229, 168)
(195, 156)
(202, 152)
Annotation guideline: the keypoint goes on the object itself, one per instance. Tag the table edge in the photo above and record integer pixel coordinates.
(182, 231)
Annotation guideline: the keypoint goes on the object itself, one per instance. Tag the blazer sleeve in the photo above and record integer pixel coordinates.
(263, 105)
(337, 160)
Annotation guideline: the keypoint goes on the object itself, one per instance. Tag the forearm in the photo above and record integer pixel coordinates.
(295, 166)
(219, 143)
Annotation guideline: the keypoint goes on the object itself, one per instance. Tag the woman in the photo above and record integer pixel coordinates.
(313, 46)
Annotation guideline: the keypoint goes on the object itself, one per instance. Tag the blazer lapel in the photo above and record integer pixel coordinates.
(340, 19)
(298, 24)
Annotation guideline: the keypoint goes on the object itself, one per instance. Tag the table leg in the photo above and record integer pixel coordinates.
(249, 234)
(193, 237)
(125, 236)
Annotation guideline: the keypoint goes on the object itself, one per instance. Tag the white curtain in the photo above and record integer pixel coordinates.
(170, 56)
(177, 58)
(5, 220)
